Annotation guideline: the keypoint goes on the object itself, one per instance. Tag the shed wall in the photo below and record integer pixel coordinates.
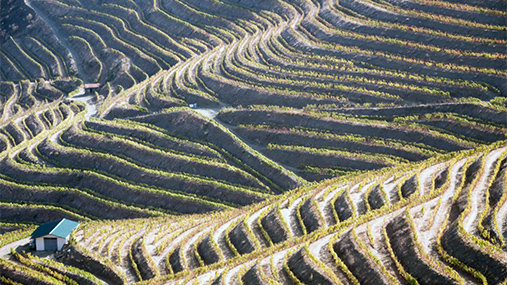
(39, 242)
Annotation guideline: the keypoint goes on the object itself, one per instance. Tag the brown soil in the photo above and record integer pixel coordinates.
(403, 245)
(74, 257)
(99, 185)
(252, 276)
(294, 119)
(21, 213)
(141, 260)
(117, 168)
(310, 217)
(240, 239)
(176, 261)
(273, 226)
(184, 123)
(207, 251)
(342, 207)
(280, 136)
(305, 270)
(155, 160)
(358, 263)
(409, 187)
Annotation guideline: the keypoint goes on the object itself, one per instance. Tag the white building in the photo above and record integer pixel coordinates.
(53, 235)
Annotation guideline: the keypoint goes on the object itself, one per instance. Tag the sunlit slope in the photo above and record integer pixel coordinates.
(126, 169)
(302, 80)
(293, 92)
(444, 219)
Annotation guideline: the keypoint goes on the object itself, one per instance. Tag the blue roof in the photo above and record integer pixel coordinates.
(61, 228)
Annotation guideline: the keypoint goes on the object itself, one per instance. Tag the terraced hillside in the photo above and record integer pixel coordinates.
(130, 168)
(443, 220)
(311, 90)
(237, 112)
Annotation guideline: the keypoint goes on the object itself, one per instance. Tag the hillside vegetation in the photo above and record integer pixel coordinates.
(291, 141)
(443, 219)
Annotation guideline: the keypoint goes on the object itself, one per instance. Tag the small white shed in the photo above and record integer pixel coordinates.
(53, 235)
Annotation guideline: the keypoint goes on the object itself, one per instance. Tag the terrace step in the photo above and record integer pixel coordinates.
(342, 207)
(403, 244)
(305, 270)
(207, 251)
(311, 216)
(492, 267)
(241, 239)
(357, 262)
(253, 277)
(274, 227)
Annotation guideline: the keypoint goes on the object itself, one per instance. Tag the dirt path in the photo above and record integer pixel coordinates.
(232, 276)
(501, 219)
(211, 112)
(325, 205)
(316, 247)
(219, 238)
(6, 250)
(252, 223)
(478, 197)
(88, 100)
(187, 247)
(206, 278)
(440, 216)
(320, 250)
(289, 216)
(424, 178)
(173, 243)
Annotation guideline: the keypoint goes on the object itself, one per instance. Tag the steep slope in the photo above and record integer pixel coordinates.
(429, 227)
(404, 100)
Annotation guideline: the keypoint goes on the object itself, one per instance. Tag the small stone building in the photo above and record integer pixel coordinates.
(53, 235)
(91, 87)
